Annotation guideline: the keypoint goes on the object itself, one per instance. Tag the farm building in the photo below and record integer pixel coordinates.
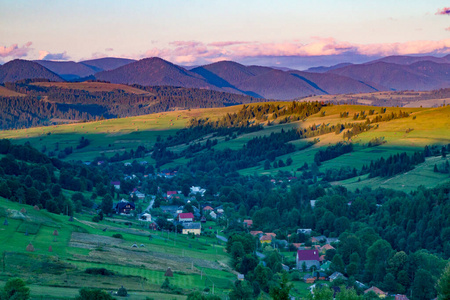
(195, 228)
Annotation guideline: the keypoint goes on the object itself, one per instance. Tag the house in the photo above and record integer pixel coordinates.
(203, 220)
(241, 277)
(213, 215)
(266, 239)
(326, 247)
(170, 194)
(207, 209)
(219, 209)
(195, 228)
(304, 230)
(377, 291)
(146, 217)
(401, 297)
(124, 207)
(286, 268)
(139, 195)
(197, 190)
(337, 275)
(171, 209)
(186, 217)
(309, 279)
(310, 258)
(116, 184)
(312, 203)
(271, 234)
(322, 258)
(248, 223)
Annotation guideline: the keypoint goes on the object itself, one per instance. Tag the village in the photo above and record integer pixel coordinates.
(189, 215)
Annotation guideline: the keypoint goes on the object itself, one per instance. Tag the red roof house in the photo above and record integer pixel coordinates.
(401, 297)
(186, 217)
(377, 291)
(309, 257)
(208, 208)
(171, 193)
(248, 223)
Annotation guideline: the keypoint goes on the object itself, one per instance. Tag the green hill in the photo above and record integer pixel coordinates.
(423, 126)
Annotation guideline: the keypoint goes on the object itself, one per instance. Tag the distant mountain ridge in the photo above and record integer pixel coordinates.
(384, 74)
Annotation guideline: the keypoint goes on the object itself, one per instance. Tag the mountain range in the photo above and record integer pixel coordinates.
(388, 73)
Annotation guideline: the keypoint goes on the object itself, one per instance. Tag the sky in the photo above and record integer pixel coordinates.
(287, 33)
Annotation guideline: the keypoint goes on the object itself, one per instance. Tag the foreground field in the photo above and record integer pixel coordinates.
(63, 250)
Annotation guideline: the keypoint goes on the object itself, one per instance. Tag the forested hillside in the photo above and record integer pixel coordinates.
(46, 105)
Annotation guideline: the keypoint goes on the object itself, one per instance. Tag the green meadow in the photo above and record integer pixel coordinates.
(424, 126)
(63, 250)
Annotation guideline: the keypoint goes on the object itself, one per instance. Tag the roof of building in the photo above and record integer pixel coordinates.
(171, 193)
(326, 247)
(208, 208)
(401, 297)
(266, 238)
(376, 290)
(271, 234)
(192, 226)
(336, 275)
(308, 254)
(186, 216)
(248, 222)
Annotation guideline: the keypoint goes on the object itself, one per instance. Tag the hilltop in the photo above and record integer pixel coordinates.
(19, 69)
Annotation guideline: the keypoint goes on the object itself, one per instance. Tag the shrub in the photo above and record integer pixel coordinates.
(122, 292)
(99, 271)
(117, 236)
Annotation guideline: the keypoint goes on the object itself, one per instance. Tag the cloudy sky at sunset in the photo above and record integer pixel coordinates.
(296, 34)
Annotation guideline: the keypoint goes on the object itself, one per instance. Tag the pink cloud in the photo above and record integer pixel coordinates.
(194, 52)
(443, 11)
(15, 51)
(109, 49)
(227, 43)
(447, 29)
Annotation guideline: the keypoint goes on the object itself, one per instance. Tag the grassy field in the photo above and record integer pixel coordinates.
(4, 92)
(197, 263)
(424, 126)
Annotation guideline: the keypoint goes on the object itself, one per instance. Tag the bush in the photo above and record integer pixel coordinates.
(96, 219)
(122, 292)
(93, 294)
(99, 271)
(117, 236)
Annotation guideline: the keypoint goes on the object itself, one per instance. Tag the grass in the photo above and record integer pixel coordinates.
(64, 266)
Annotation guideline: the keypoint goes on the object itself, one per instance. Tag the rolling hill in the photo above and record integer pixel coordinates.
(154, 71)
(19, 69)
(424, 75)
